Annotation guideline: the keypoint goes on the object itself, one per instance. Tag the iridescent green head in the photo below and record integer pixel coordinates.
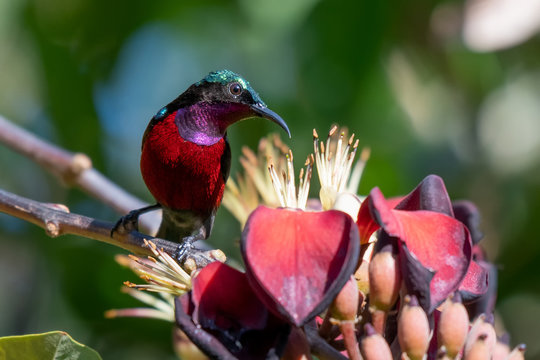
(227, 77)
(209, 106)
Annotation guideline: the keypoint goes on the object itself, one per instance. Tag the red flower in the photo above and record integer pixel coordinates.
(225, 319)
(297, 261)
(435, 249)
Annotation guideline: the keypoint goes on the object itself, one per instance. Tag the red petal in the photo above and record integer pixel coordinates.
(366, 224)
(484, 303)
(430, 194)
(439, 243)
(416, 277)
(394, 201)
(205, 341)
(222, 298)
(475, 282)
(467, 212)
(298, 261)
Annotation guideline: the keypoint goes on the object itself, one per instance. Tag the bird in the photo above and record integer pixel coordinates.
(186, 157)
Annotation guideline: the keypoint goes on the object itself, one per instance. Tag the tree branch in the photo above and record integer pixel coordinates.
(56, 220)
(74, 169)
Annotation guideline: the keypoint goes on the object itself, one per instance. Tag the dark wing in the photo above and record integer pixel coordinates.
(226, 160)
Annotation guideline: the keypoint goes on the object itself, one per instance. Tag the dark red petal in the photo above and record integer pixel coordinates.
(485, 303)
(298, 261)
(441, 244)
(381, 211)
(466, 212)
(431, 195)
(434, 242)
(416, 277)
(394, 201)
(225, 319)
(223, 299)
(475, 283)
(205, 341)
(366, 224)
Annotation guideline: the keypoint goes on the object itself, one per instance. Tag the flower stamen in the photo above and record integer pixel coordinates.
(162, 275)
(335, 161)
(254, 187)
(285, 187)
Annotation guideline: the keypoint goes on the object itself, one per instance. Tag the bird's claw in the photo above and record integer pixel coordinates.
(187, 249)
(184, 249)
(127, 223)
(130, 222)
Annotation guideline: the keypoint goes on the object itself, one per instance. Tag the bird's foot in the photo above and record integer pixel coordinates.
(185, 248)
(130, 222)
(126, 223)
(192, 258)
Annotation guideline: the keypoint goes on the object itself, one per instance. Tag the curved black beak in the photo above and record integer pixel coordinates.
(264, 112)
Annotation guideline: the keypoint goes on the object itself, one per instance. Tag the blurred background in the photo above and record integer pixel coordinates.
(450, 88)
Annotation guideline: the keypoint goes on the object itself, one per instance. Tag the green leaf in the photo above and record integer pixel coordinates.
(54, 345)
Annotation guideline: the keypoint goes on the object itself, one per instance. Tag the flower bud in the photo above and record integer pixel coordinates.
(479, 349)
(373, 345)
(344, 310)
(362, 277)
(453, 326)
(442, 354)
(384, 281)
(345, 305)
(481, 328)
(413, 329)
(518, 353)
(501, 351)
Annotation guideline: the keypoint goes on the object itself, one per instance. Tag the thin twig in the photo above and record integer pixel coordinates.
(56, 221)
(74, 169)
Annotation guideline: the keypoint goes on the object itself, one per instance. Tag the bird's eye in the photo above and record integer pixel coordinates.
(235, 89)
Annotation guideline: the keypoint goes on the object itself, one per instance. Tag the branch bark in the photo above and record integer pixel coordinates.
(74, 169)
(56, 220)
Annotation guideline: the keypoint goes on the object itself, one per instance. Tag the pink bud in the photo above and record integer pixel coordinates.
(518, 353)
(373, 345)
(501, 351)
(344, 309)
(479, 349)
(345, 305)
(453, 326)
(384, 281)
(413, 329)
(481, 328)
(442, 354)
(362, 277)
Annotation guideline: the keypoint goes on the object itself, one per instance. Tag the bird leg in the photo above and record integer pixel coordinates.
(130, 222)
(186, 248)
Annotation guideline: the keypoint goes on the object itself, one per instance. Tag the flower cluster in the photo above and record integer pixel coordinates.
(343, 276)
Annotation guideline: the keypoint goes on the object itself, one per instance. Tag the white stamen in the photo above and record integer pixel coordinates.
(334, 164)
(285, 187)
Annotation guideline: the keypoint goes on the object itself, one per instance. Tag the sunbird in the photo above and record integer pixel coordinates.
(186, 158)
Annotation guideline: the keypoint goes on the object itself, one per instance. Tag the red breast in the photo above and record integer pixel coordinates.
(180, 174)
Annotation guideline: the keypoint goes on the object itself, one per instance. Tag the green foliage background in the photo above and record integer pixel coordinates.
(89, 74)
